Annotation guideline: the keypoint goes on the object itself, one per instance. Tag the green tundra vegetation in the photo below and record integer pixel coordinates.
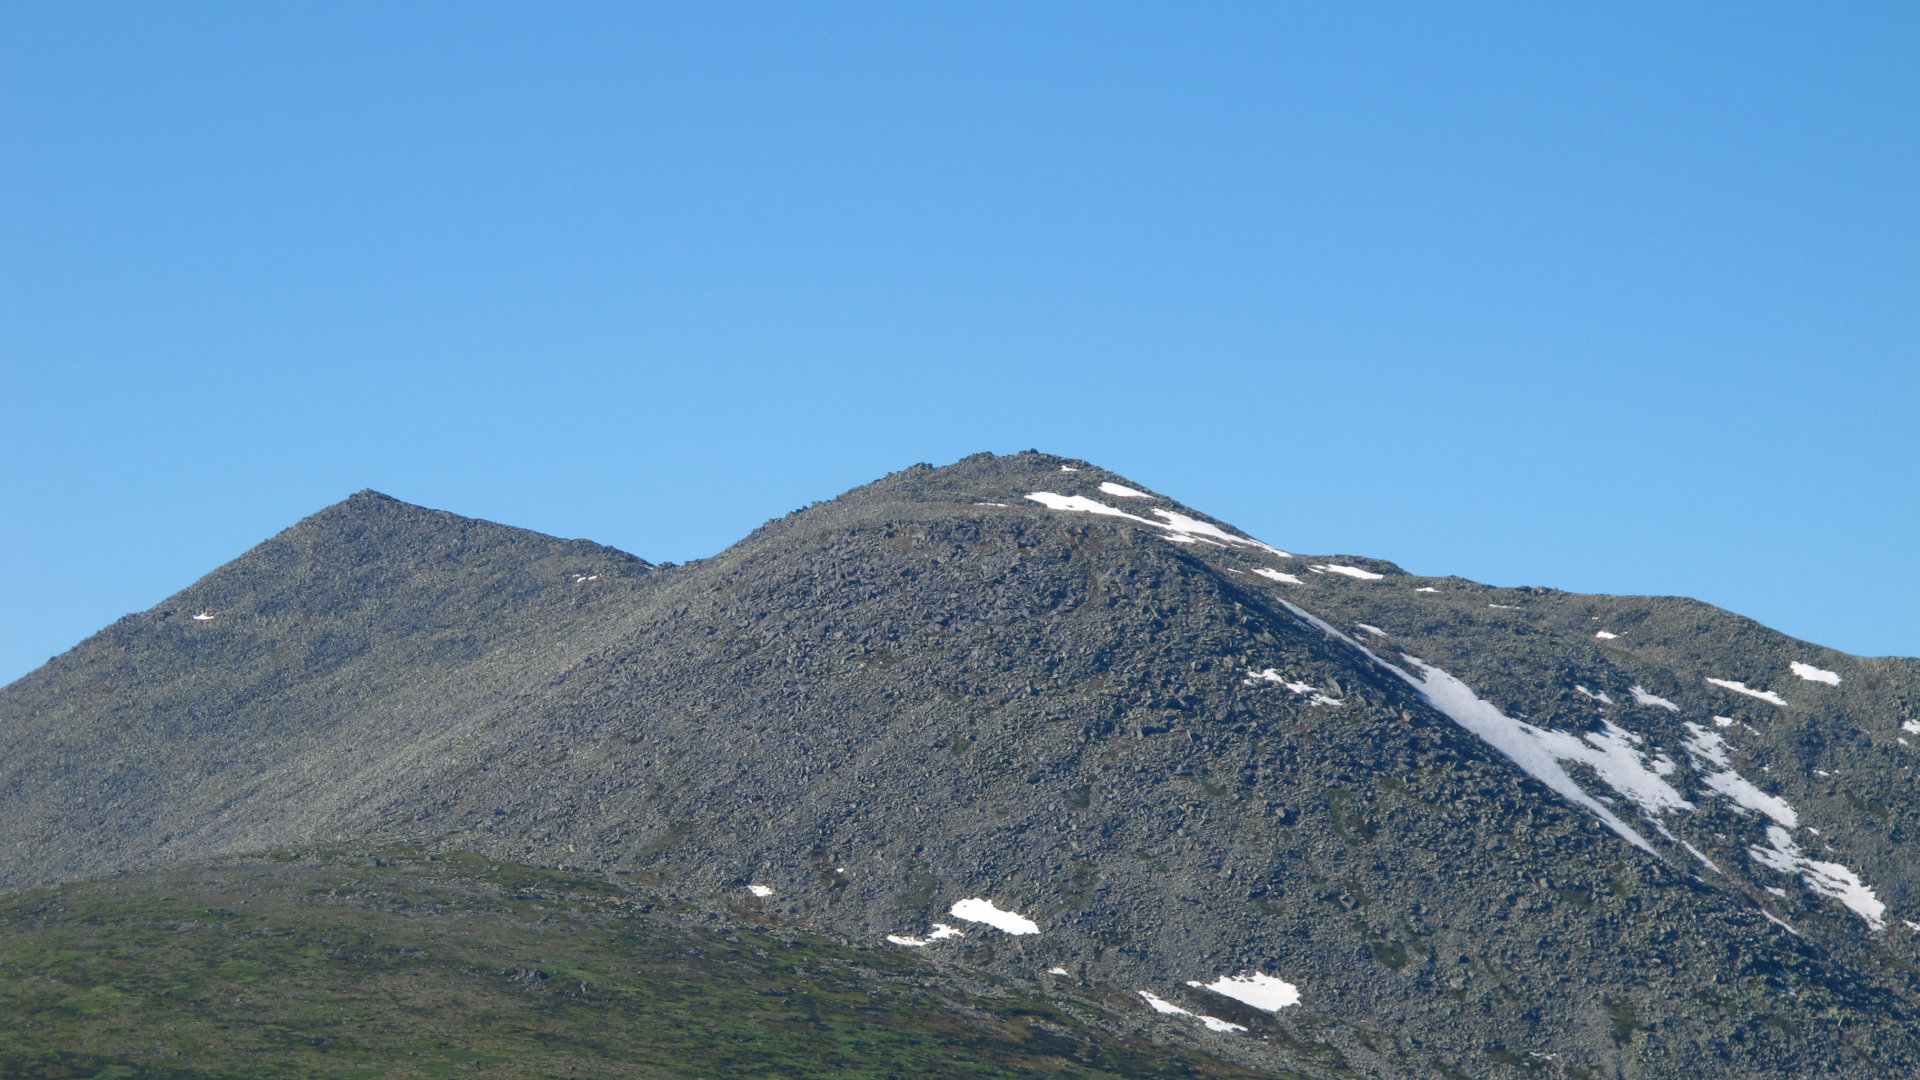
(395, 963)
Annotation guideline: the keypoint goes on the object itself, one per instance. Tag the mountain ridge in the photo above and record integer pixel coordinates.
(1184, 753)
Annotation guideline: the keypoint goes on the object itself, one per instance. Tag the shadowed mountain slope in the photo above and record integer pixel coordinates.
(1492, 831)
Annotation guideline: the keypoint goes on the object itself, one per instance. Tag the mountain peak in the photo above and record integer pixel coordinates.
(1024, 714)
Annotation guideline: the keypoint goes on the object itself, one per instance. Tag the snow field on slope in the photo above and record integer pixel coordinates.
(1707, 746)
(1825, 878)
(1641, 697)
(1814, 674)
(1255, 678)
(1184, 529)
(1738, 687)
(1161, 1005)
(1347, 571)
(981, 910)
(1260, 990)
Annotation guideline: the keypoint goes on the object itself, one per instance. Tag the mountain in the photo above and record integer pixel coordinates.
(1476, 831)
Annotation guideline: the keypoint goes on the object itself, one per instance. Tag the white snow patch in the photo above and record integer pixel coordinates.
(1911, 727)
(977, 909)
(1814, 674)
(1539, 751)
(1347, 571)
(1502, 607)
(1122, 491)
(1604, 636)
(1825, 878)
(760, 890)
(1780, 922)
(203, 617)
(1600, 697)
(1161, 1005)
(1911, 925)
(989, 504)
(1068, 468)
(1738, 687)
(1184, 530)
(1374, 630)
(1641, 697)
(1723, 721)
(1707, 746)
(1056, 971)
(1777, 891)
(1254, 678)
(940, 930)
(1256, 989)
(1901, 741)
(1426, 588)
(1695, 852)
(1275, 575)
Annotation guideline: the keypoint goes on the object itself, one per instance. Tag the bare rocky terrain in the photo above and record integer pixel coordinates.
(1480, 831)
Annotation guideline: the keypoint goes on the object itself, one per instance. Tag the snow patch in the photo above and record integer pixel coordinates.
(1641, 697)
(203, 617)
(1707, 746)
(1600, 697)
(1161, 1005)
(1275, 575)
(940, 931)
(760, 890)
(1911, 727)
(1610, 753)
(1256, 989)
(1426, 588)
(1374, 630)
(1347, 571)
(1723, 721)
(1184, 529)
(1255, 678)
(977, 909)
(1056, 971)
(1604, 636)
(1814, 674)
(1738, 687)
(1825, 878)
(1122, 491)
(1068, 468)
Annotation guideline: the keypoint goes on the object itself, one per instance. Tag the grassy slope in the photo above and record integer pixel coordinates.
(390, 964)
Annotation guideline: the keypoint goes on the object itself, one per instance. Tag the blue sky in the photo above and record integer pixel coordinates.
(1619, 297)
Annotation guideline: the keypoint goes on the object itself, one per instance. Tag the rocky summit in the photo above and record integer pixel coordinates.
(1020, 719)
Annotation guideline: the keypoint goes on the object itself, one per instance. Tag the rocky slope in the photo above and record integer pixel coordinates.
(1478, 831)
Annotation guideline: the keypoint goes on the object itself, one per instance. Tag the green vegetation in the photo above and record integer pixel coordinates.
(396, 964)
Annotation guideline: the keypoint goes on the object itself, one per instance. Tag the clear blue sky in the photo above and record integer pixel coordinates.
(1610, 297)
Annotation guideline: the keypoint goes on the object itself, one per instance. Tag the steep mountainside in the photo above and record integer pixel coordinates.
(1480, 831)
